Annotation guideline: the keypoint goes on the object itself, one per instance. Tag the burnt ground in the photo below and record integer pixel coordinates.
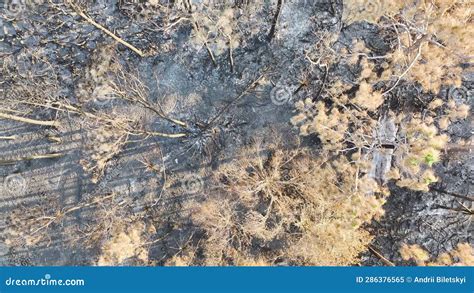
(50, 45)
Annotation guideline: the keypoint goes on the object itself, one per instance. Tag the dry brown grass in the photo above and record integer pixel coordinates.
(126, 246)
(462, 255)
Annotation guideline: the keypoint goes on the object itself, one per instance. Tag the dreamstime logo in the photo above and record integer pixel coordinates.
(192, 184)
(15, 7)
(460, 93)
(104, 100)
(15, 184)
(372, 7)
(47, 280)
(281, 95)
(104, 95)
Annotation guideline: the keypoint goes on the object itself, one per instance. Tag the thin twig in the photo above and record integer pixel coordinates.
(29, 121)
(381, 257)
(325, 77)
(231, 57)
(463, 210)
(102, 28)
(152, 133)
(275, 20)
(405, 72)
(13, 137)
(214, 62)
(357, 172)
(242, 94)
(469, 198)
(198, 30)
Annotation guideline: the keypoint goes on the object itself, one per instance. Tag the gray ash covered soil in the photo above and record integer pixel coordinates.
(53, 49)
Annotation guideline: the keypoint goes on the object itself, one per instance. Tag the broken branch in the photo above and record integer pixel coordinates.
(102, 28)
(29, 121)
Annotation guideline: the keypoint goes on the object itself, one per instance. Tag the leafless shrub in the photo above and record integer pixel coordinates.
(288, 200)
